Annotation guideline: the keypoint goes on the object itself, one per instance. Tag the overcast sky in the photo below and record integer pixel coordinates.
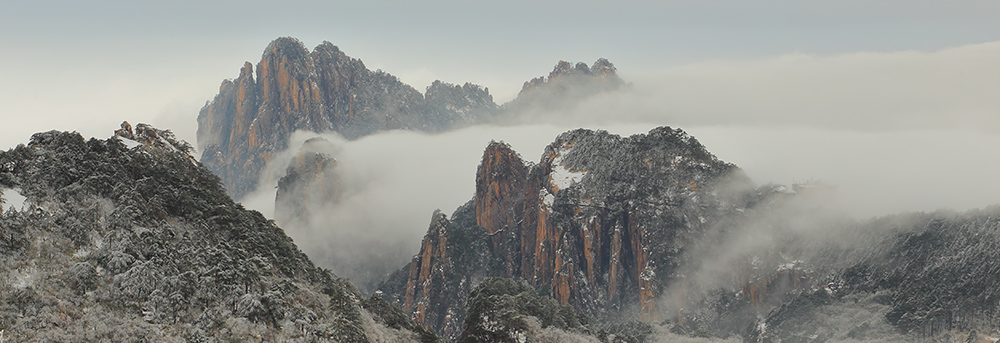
(821, 74)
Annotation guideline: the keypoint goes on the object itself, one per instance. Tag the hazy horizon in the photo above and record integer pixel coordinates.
(901, 88)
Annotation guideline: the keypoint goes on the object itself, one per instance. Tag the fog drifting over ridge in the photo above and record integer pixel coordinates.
(905, 131)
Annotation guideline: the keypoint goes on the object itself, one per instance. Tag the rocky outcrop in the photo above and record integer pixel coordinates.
(930, 276)
(599, 223)
(323, 90)
(310, 184)
(130, 239)
(432, 256)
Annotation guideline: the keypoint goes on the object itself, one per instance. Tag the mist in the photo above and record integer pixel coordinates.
(949, 89)
(898, 131)
(392, 183)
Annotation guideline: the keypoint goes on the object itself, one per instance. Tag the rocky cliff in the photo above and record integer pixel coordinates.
(323, 90)
(131, 239)
(600, 223)
(654, 227)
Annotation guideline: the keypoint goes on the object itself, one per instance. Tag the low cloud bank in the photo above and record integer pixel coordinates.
(950, 89)
(392, 183)
(904, 131)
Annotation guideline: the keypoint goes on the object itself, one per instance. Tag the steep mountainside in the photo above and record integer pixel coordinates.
(130, 239)
(324, 90)
(653, 226)
(930, 277)
(600, 223)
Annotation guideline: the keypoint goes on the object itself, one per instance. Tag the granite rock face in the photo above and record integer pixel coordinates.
(654, 226)
(324, 90)
(600, 224)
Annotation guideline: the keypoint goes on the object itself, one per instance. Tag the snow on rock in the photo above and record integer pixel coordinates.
(131, 144)
(547, 199)
(12, 198)
(561, 176)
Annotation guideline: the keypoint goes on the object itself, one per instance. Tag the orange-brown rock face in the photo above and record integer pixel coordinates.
(428, 273)
(420, 282)
(602, 223)
(500, 190)
(293, 89)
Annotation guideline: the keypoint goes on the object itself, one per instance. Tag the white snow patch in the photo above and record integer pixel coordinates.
(82, 252)
(547, 199)
(561, 177)
(12, 198)
(677, 160)
(789, 265)
(131, 144)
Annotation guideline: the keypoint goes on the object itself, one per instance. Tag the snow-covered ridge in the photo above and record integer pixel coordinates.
(146, 137)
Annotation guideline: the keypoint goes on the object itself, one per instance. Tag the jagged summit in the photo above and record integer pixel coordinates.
(292, 88)
(602, 69)
(598, 223)
(565, 86)
(288, 47)
(323, 90)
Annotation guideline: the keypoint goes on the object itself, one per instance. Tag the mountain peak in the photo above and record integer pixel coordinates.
(590, 223)
(326, 46)
(603, 67)
(247, 70)
(567, 84)
(286, 46)
(324, 90)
